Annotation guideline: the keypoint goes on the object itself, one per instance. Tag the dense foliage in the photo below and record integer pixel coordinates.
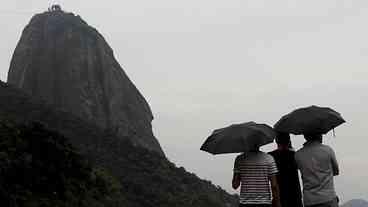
(39, 168)
(146, 178)
(151, 180)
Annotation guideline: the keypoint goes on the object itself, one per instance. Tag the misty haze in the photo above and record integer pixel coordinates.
(108, 103)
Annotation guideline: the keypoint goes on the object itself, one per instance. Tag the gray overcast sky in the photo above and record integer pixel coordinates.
(204, 64)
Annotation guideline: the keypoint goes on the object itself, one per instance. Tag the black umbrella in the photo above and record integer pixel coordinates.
(238, 138)
(309, 120)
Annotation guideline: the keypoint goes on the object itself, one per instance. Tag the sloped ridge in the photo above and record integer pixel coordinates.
(69, 64)
(146, 177)
(356, 203)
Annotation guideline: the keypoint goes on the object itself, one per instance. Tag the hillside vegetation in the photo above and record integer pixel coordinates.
(39, 167)
(144, 178)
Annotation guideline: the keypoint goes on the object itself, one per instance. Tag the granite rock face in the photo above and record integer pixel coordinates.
(63, 60)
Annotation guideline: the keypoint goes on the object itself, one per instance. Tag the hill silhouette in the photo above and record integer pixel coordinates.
(355, 203)
(63, 75)
(146, 178)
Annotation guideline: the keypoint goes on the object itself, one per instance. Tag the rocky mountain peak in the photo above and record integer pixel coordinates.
(63, 60)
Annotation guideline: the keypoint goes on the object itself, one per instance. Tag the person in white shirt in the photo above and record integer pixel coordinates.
(318, 165)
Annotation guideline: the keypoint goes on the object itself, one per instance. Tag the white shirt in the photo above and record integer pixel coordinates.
(317, 164)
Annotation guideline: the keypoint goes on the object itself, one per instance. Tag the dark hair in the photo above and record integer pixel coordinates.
(313, 137)
(283, 138)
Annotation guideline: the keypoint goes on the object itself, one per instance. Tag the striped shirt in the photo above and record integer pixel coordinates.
(255, 169)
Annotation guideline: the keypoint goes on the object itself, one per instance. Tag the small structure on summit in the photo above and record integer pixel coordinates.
(55, 8)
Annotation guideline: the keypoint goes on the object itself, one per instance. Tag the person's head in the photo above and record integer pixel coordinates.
(313, 137)
(283, 140)
(254, 149)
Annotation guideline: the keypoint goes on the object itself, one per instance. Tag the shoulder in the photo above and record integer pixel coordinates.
(239, 157)
(273, 153)
(291, 152)
(299, 153)
(269, 158)
(328, 149)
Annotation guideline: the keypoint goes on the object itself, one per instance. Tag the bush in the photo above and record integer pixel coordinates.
(38, 167)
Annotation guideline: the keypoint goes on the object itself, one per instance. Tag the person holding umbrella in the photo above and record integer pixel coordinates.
(254, 171)
(287, 178)
(316, 161)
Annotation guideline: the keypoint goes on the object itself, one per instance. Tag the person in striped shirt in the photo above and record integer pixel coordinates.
(254, 171)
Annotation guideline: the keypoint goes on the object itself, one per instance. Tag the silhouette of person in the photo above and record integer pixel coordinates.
(318, 165)
(287, 178)
(254, 171)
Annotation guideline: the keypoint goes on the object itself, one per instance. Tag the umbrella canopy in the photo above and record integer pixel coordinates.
(238, 138)
(309, 120)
